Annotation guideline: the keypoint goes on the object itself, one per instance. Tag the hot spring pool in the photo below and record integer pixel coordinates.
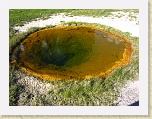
(72, 52)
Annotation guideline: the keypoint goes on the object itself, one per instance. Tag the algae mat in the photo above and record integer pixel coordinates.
(72, 52)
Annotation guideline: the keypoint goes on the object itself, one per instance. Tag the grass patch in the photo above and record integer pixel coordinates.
(20, 16)
(82, 93)
(99, 92)
(100, 12)
(93, 12)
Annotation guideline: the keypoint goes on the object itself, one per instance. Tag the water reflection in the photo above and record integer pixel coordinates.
(21, 47)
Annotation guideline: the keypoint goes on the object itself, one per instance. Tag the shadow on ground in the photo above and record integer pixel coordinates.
(135, 104)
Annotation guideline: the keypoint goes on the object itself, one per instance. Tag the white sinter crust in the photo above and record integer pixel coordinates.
(120, 21)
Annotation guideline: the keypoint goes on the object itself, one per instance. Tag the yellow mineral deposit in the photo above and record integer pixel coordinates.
(72, 52)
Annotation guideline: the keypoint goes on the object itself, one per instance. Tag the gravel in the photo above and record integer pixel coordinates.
(33, 86)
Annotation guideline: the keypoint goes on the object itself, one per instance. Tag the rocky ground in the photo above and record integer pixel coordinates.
(32, 86)
(129, 93)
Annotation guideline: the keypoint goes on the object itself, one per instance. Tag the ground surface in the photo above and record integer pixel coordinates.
(119, 20)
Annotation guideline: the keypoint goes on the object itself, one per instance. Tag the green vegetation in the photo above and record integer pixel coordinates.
(82, 92)
(21, 16)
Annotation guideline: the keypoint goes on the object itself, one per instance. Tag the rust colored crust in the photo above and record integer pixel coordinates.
(67, 75)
